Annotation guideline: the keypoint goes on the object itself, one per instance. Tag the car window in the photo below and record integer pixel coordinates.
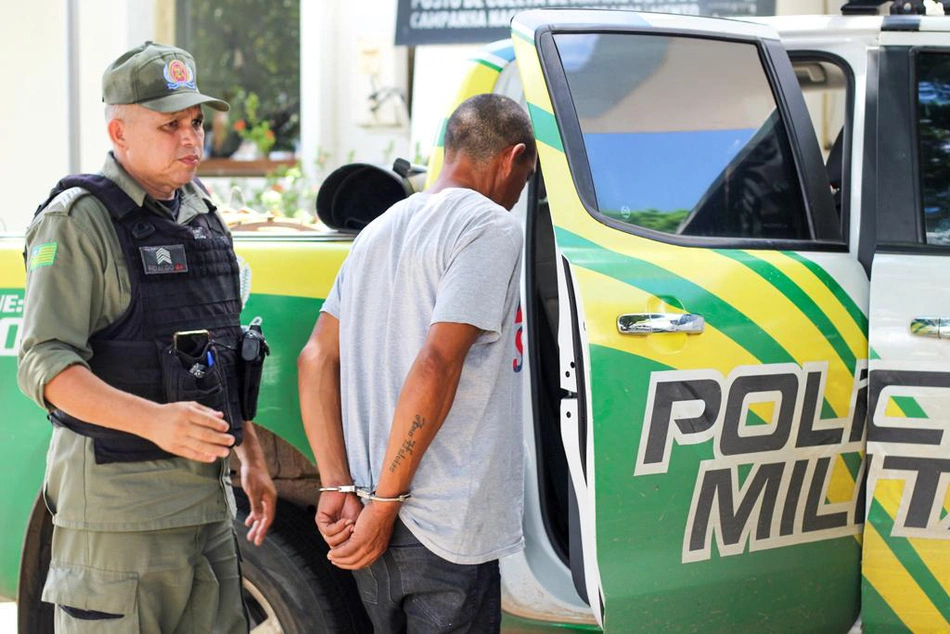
(933, 132)
(688, 140)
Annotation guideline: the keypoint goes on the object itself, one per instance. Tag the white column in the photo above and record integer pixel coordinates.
(105, 32)
(318, 67)
(33, 63)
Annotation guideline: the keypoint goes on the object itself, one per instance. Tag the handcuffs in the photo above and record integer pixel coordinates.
(366, 494)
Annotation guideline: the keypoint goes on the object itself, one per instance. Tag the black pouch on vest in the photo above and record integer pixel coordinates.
(253, 350)
(191, 372)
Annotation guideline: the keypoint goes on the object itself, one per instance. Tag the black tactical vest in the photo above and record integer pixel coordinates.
(183, 278)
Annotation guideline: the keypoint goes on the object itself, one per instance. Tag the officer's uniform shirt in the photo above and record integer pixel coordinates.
(84, 289)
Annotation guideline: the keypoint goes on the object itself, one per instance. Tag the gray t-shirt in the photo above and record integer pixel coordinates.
(454, 256)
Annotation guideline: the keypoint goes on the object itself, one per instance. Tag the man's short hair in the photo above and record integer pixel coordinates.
(484, 125)
(115, 111)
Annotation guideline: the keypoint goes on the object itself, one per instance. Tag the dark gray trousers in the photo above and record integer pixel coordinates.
(409, 589)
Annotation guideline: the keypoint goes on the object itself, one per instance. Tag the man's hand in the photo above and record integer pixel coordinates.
(318, 383)
(190, 430)
(370, 537)
(336, 516)
(262, 495)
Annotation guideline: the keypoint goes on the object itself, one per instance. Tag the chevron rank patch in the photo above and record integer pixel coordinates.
(164, 259)
(43, 255)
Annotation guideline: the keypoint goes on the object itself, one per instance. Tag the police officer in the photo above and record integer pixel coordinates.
(130, 340)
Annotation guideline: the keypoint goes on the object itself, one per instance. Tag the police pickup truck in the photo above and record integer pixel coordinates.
(733, 333)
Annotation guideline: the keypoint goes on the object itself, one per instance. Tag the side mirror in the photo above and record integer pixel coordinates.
(354, 195)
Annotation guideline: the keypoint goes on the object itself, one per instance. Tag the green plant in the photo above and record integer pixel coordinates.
(247, 45)
(418, 158)
(253, 129)
(388, 152)
(285, 192)
(322, 161)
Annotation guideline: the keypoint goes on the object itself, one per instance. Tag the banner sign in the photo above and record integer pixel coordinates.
(480, 21)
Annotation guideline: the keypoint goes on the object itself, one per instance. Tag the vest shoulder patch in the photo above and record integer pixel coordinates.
(64, 203)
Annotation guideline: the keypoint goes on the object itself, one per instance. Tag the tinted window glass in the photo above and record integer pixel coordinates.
(682, 135)
(933, 117)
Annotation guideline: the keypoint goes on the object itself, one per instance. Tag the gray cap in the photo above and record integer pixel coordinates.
(157, 77)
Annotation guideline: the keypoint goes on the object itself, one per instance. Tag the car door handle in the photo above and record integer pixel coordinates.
(936, 327)
(649, 323)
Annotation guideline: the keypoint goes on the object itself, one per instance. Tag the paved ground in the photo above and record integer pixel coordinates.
(7, 618)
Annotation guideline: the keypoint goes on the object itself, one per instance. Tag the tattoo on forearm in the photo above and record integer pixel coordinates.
(408, 444)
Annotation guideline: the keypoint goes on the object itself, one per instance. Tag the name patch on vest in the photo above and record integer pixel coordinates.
(164, 259)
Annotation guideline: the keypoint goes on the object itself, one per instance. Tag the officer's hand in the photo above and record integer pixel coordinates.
(190, 430)
(370, 537)
(336, 515)
(262, 495)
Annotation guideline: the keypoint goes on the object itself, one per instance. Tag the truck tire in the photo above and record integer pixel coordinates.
(289, 586)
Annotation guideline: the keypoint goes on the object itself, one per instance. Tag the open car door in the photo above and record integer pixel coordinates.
(906, 565)
(712, 326)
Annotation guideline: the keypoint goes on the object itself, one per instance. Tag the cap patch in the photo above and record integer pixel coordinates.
(179, 75)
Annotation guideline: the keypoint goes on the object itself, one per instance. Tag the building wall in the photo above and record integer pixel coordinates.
(107, 28)
(33, 61)
(806, 7)
(347, 55)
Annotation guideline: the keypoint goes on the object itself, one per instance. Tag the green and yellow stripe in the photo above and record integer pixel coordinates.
(292, 268)
(906, 580)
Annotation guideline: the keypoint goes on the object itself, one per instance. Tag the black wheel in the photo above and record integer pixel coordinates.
(289, 586)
